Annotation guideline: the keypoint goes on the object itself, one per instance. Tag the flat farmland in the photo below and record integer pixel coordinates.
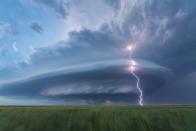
(97, 118)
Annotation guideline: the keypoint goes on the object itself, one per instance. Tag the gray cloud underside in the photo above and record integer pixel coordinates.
(96, 82)
(180, 91)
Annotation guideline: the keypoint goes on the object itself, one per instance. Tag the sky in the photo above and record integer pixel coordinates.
(74, 52)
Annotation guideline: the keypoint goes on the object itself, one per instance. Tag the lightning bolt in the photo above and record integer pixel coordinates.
(139, 88)
(133, 68)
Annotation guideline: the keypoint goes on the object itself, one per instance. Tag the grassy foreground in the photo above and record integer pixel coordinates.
(98, 118)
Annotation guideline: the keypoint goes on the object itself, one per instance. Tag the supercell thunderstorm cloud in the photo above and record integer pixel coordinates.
(72, 52)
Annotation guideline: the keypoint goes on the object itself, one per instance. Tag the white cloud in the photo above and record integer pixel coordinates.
(14, 47)
(32, 49)
(88, 14)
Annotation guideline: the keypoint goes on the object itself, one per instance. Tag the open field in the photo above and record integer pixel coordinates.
(98, 118)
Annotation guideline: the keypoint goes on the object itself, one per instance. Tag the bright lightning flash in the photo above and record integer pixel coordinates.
(133, 68)
(130, 48)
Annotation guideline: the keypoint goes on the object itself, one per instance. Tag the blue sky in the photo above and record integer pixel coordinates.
(75, 52)
(18, 18)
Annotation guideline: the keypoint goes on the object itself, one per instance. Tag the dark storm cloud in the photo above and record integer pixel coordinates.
(103, 98)
(163, 32)
(110, 80)
(60, 6)
(36, 27)
(85, 42)
(166, 38)
(180, 91)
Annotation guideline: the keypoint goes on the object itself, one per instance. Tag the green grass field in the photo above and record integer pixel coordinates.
(98, 118)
